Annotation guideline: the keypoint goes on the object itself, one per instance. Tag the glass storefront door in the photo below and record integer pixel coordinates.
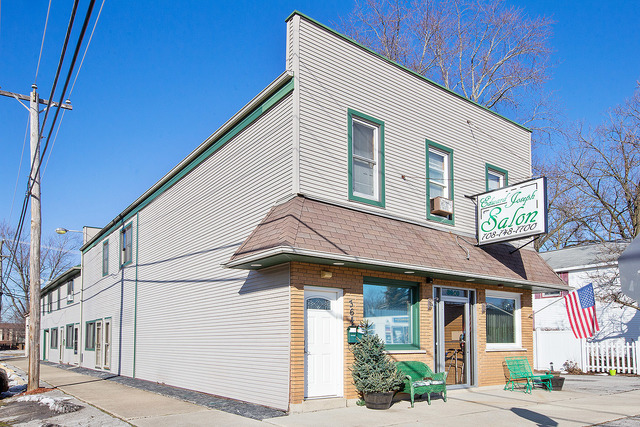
(455, 334)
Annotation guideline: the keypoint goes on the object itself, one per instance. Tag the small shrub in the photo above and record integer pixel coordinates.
(372, 369)
(571, 367)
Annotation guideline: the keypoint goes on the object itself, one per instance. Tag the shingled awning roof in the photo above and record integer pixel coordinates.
(303, 229)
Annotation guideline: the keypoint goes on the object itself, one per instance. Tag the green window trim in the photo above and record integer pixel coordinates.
(415, 309)
(449, 151)
(70, 288)
(489, 167)
(380, 201)
(90, 344)
(105, 258)
(128, 228)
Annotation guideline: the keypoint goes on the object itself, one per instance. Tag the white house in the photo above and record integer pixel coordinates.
(578, 266)
(60, 318)
(337, 194)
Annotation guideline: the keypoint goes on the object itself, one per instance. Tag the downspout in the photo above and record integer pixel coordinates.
(135, 309)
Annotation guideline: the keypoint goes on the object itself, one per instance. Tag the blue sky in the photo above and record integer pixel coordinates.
(161, 76)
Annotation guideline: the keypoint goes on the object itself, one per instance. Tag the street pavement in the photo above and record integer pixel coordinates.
(585, 400)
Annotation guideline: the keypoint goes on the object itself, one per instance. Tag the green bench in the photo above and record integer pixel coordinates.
(520, 370)
(420, 379)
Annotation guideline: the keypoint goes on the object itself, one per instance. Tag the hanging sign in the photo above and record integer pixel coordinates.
(513, 212)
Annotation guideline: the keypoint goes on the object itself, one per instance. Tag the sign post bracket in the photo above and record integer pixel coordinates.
(530, 241)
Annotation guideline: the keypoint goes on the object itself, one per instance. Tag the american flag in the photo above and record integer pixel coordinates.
(581, 308)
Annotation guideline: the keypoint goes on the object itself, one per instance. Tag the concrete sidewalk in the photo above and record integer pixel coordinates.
(137, 407)
(585, 400)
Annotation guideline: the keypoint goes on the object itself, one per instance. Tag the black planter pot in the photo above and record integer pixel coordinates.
(380, 400)
(557, 383)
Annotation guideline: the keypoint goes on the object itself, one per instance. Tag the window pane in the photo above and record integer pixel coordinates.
(495, 180)
(436, 166)
(501, 320)
(436, 190)
(363, 175)
(363, 141)
(389, 309)
(318, 304)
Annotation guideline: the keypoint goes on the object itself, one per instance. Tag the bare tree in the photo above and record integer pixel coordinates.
(596, 174)
(595, 193)
(57, 255)
(491, 53)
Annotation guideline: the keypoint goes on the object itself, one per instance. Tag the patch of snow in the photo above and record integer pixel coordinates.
(60, 405)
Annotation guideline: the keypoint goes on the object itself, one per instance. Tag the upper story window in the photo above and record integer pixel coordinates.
(70, 292)
(439, 182)
(366, 159)
(496, 177)
(105, 258)
(59, 297)
(126, 237)
(50, 302)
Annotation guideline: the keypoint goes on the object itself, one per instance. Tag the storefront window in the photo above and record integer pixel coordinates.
(391, 308)
(503, 319)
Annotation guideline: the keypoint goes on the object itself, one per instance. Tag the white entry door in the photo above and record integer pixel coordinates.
(323, 342)
(98, 349)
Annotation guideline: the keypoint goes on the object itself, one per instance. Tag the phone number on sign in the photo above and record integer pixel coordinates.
(509, 231)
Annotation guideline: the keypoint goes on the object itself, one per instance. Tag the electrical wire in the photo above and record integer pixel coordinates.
(15, 189)
(60, 62)
(66, 83)
(55, 138)
(35, 79)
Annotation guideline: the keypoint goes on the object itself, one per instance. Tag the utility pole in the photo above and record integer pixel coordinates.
(36, 226)
(34, 261)
(1, 279)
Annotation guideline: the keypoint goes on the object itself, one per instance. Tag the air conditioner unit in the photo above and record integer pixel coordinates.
(70, 298)
(441, 206)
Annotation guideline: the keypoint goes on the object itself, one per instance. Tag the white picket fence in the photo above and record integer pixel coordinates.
(554, 348)
(606, 355)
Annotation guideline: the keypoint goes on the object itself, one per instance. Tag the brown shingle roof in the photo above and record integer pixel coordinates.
(308, 224)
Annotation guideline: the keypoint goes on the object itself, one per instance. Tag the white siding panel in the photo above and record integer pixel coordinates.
(336, 75)
(111, 296)
(59, 318)
(220, 331)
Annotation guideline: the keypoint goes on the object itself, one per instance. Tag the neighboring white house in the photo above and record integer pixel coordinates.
(579, 266)
(337, 194)
(60, 320)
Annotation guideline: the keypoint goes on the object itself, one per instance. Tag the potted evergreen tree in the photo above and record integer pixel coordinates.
(373, 372)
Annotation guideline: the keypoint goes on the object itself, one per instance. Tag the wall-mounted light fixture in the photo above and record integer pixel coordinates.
(484, 307)
(429, 279)
(429, 304)
(324, 274)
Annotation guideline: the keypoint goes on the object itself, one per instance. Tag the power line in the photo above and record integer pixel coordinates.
(15, 189)
(55, 138)
(35, 79)
(55, 82)
(66, 83)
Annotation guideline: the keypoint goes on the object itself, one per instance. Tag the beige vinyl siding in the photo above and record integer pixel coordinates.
(336, 75)
(202, 327)
(111, 296)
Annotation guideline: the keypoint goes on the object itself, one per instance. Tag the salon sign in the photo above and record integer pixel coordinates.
(513, 212)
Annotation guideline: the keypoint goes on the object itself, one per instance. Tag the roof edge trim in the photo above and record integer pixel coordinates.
(73, 272)
(262, 102)
(288, 250)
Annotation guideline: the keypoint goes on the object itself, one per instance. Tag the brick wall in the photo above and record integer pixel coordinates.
(350, 280)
